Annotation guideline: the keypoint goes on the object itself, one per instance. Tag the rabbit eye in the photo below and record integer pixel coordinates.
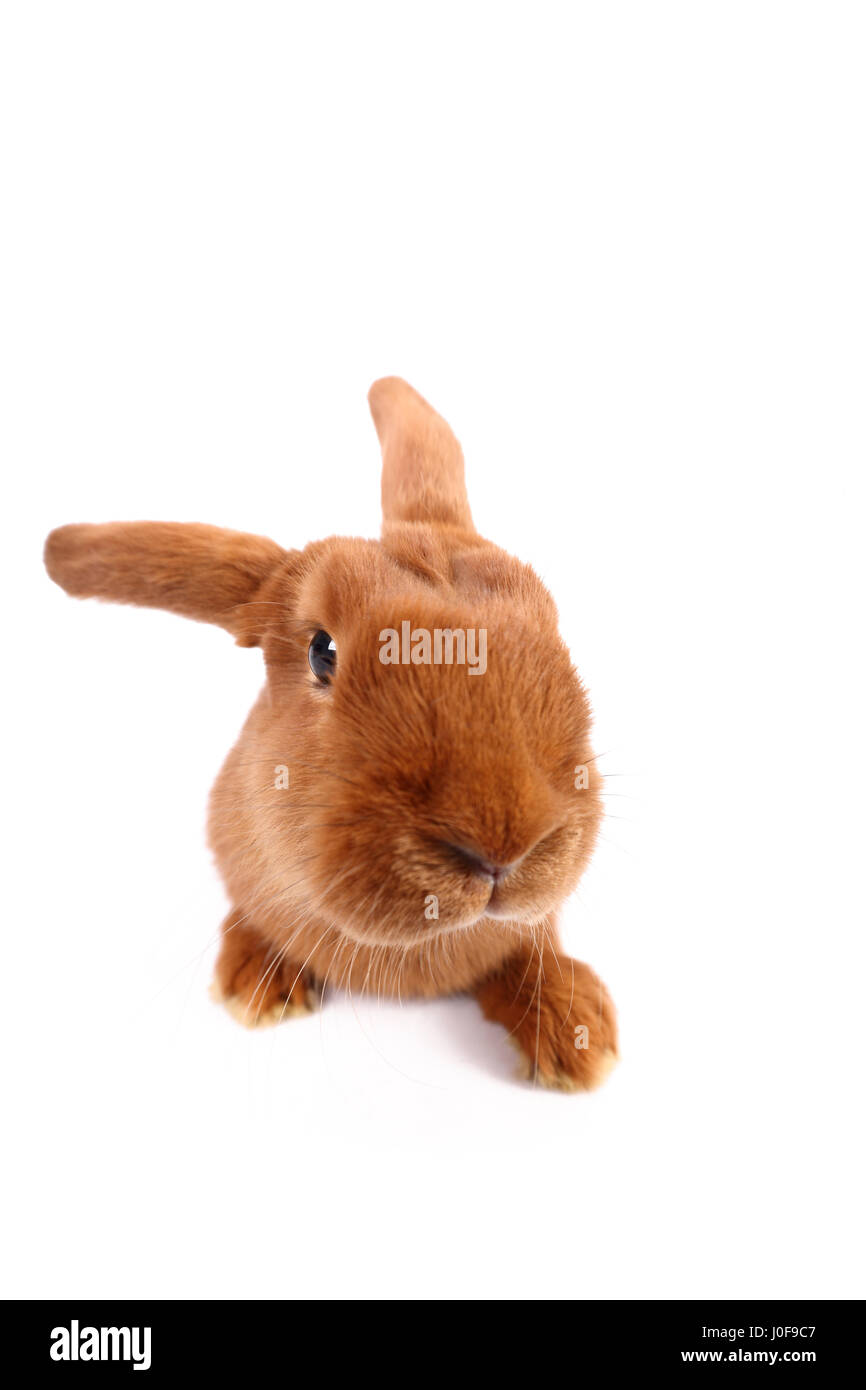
(323, 657)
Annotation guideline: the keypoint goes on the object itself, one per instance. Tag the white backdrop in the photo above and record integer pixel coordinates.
(620, 247)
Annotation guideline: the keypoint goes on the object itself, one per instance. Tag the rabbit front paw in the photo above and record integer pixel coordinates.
(558, 1015)
(256, 980)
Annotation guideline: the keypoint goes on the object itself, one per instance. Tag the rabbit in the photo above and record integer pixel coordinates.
(389, 821)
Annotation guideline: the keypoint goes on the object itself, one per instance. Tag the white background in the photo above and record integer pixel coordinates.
(621, 248)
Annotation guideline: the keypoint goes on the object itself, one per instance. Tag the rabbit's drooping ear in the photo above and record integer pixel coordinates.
(201, 572)
(422, 462)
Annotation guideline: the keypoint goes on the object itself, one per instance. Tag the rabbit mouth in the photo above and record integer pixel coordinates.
(497, 910)
(513, 886)
(495, 907)
(437, 883)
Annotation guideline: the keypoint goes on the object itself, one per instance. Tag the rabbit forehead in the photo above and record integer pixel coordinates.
(417, 566)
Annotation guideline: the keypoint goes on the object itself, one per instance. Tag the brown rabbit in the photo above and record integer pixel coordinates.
(414, 794)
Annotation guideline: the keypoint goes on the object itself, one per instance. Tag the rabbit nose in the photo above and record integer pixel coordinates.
(486, 868)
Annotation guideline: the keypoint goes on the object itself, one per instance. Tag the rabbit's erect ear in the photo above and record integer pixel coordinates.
(201, 572)
(422, 463)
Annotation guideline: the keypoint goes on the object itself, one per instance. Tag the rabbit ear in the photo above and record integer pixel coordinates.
(201, 572)
(422, 463)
